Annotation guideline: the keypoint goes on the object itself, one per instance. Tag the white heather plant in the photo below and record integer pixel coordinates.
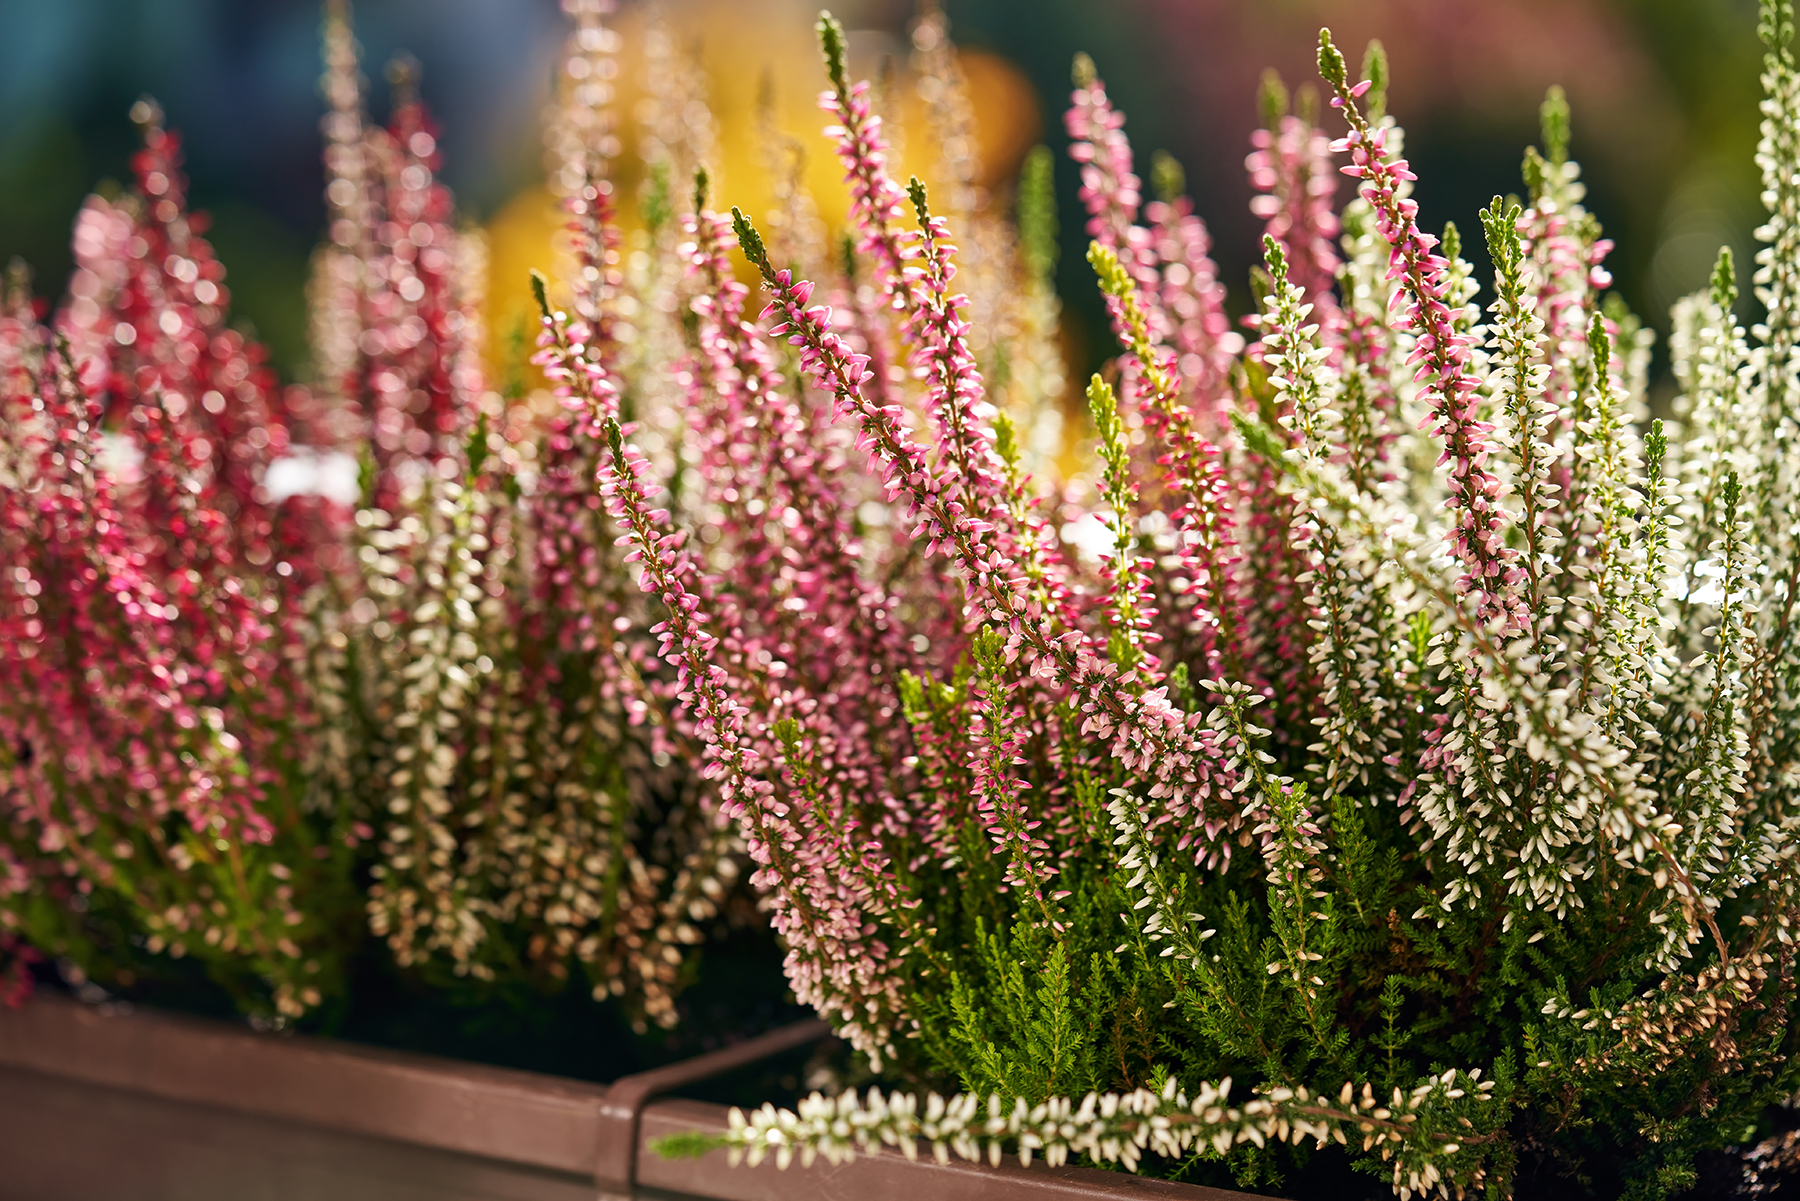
(1414, 773)
(507, 739)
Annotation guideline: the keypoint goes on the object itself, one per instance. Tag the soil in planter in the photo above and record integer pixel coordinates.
(739, 992)
(1767, 1167)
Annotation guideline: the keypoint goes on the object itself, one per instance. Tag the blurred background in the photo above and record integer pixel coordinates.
(1664, 94)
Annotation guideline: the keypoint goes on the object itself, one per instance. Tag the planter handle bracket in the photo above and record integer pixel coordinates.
(615, 1158)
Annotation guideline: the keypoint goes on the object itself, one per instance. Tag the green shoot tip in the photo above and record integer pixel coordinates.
(1276, 257)
(1114, 280)
(1724, 280)
(687, 1145)
(1272, 98)
(1375, 70)
(1103, 406)
(749, 239)
(1331, 62)
(1554, 117)
(916, 191)
(831, 42)
(1599, 345)
(1167, 177)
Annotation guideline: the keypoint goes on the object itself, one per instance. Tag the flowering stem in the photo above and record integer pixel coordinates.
(1441, 352)
(1149, 734)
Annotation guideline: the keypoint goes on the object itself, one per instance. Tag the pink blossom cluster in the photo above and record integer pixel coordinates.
(1066, 659)
(1290, 167)
(1492, 574)
(1195, 487)
(1180, 353)
(787, 653)
(1190, 293)
(184, 539)
(798, 842)
(393, 310)
(1110, 189)
(832, 621)
(152, 600)
(1568, 266)
(213, 697)
(915, 269)
(1147, 732)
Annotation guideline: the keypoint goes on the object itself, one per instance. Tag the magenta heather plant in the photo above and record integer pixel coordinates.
(157, 731)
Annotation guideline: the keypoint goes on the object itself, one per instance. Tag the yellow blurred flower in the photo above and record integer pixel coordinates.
(749, 58)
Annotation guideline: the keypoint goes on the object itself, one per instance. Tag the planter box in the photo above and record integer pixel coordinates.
(141, 1107)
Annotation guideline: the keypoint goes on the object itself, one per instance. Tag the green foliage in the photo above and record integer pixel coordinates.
(659, 201)
(686, 1145)
(1272, 99)
(1166, 177)
(1038, 245)
(1331, 60)
(1375, 70)
(831, 39)
(1554, 116)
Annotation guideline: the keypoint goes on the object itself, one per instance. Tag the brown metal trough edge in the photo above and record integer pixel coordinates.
(594, 1131)
(616, 1152)
(511, 1116)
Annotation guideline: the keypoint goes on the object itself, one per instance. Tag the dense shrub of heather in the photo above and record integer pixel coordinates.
(1408, 784)
(158, 731)
(1380, 755)
(250, 727)
(506, 736)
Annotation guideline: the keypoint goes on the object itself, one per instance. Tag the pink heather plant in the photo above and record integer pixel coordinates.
(219, 703)
(157, 731)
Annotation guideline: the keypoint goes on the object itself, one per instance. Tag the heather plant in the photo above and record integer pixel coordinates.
(1410, 773)
(158, 728)
(1408, 769)
(227, 708)
(508, 742)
